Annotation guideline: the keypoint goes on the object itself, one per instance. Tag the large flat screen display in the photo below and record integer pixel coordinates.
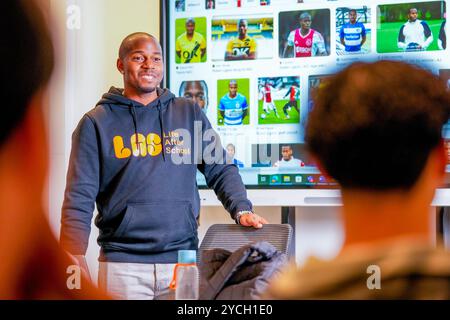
(253, 65)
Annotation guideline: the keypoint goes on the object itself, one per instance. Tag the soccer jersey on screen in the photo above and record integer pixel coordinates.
(293, 93)
(415, 33)
(267, 92)
(190, 49)
(238, 47)
(233, 109)
(353, 35)
(308, 45)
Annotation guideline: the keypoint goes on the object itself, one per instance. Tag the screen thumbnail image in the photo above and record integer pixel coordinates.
(304, 33)
(190, 43)
(233, 107)
(180, 5)
(233, 154)
(230, 4)
(210, 4)
(314, 83)
(413, 26)
(353, 30)
(244, 38)
(196, 90)
(280, 155)
(278, 100)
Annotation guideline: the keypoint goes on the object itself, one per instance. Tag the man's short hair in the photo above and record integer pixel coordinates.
(232, 82)
(304, 15)
(127, 45)
(374, 125)
(352, 10)
(190, 20)
(27, 60)
(242, 21)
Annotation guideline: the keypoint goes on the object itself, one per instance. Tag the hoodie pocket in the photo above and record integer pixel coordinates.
(157, 226)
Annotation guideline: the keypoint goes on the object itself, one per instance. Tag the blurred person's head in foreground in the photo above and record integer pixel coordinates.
(376, 128)
(386, 136)
(32, 264)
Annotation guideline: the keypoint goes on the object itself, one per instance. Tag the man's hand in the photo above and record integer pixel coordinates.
(252, 220)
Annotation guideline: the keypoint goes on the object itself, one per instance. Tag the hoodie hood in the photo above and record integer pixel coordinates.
(115, 97)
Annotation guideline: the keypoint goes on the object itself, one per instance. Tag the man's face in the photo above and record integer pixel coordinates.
(242, 28)
(194, 91)
(233, 89)
(142, 67)
(190, 27)
(305, 23)
(286, 152)
(352, 16)
(412, 15)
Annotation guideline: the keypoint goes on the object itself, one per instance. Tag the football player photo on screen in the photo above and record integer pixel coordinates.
(278, 100)
(411, 27)
(233, 107)
(190, 43)
(353, 30)
(304, 33)
(242, 39)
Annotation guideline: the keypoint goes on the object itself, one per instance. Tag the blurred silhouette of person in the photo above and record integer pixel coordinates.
(32, 265)
(387, 153)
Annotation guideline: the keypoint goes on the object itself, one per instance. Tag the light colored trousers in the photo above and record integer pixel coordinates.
(134, 281)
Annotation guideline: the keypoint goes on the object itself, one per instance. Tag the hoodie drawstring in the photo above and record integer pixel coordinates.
(161, 126)
(133, 112)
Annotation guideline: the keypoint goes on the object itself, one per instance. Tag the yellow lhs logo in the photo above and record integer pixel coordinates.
(140, 146)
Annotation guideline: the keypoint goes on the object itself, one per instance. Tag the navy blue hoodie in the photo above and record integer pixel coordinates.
(148, 206)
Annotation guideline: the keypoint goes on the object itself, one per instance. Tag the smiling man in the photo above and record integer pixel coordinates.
(121, 160)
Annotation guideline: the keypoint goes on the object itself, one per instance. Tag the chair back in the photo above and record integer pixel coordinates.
(232, 236)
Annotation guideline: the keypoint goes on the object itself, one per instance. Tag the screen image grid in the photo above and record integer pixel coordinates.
(253, 66)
